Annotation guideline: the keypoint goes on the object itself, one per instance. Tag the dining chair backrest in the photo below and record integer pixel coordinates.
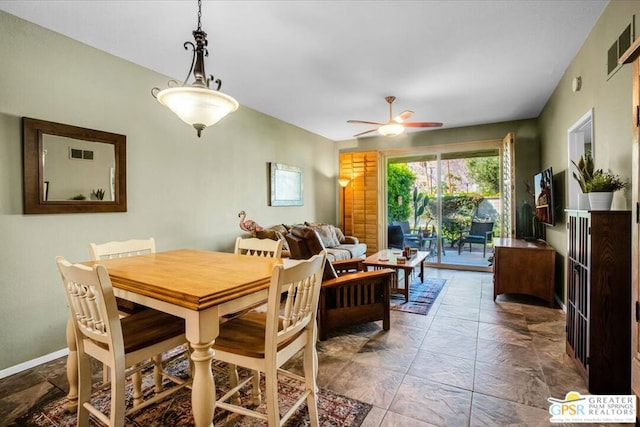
(92, 303)
(267, 248)
(264, 341)
(121, 249)
(298, 287)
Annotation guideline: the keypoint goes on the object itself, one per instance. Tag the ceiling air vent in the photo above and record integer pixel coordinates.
(619, 47)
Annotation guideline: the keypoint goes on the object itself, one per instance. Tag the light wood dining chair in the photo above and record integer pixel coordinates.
(117, 343)
(253, 246)
(258, 247)
(263, 341)
(122, 249)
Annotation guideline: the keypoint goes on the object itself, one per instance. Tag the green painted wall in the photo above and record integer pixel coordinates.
(184, 191)
(612, 110)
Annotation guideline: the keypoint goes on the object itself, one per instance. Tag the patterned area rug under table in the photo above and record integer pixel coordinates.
(334, 410)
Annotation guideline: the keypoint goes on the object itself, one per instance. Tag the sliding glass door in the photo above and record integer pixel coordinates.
(450, 202)
(470, 206)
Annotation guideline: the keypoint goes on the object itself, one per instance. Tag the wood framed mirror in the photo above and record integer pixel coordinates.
(69, 169)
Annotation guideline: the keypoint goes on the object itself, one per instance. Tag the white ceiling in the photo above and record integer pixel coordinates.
(316, 64)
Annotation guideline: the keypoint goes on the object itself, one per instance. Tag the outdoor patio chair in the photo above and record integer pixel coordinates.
(413, 240)
(480, 233)
(395, 237)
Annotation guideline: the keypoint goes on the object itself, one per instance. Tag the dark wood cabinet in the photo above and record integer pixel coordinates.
(599, 298)
(523, 267)
(632, 55)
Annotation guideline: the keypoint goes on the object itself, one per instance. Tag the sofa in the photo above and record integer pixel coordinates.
(338, 246)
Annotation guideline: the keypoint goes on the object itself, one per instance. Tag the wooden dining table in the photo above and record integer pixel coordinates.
(196, 285)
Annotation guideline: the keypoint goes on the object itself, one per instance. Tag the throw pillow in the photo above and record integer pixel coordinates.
(281, 228)
(339, 234)
(273, 233)
(312, 239)
(327, 235)
(285, 244)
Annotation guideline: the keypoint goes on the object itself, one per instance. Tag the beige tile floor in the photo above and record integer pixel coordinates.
(470, 362)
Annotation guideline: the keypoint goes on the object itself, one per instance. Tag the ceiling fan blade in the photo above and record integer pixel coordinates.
(364, 133)
(422, 124)
(364, 122)
(400, 118)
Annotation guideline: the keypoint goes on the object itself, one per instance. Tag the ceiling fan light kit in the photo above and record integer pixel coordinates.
(391, 129)
(396, 125)
(197, 105)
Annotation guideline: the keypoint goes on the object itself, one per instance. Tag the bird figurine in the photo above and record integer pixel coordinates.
(248, 225)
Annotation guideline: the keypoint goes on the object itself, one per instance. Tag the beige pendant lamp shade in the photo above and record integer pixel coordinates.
(199, 107)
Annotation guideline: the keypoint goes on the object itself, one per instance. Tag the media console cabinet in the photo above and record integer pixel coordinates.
(524, 267)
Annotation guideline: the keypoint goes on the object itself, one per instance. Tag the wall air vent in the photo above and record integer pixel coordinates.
(75, 153)
(619, 46)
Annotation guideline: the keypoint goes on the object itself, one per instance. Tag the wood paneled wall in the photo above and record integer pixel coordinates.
(360, 208)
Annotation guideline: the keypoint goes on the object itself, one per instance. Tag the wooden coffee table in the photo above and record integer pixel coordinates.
(378, 261)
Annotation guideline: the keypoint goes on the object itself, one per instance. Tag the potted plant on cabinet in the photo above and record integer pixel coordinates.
(585, 174)
(601, 188)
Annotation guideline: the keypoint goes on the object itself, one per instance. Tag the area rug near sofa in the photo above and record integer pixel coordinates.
(421, 296)
(334, 410)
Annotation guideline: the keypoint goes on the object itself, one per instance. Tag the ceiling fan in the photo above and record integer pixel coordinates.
(395, 125)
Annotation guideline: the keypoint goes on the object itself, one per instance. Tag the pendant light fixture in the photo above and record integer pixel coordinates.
(197, 104)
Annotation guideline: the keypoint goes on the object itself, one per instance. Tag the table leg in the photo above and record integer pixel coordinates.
(422, 271)
(203, 393)
(72, 368)
(407, 279)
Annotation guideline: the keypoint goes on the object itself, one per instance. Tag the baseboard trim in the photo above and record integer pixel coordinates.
(33, 363)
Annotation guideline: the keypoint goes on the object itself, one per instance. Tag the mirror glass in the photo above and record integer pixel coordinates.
(78, 170)
(71, 169)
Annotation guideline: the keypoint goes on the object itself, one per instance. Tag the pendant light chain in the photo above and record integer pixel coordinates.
(199, 14)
